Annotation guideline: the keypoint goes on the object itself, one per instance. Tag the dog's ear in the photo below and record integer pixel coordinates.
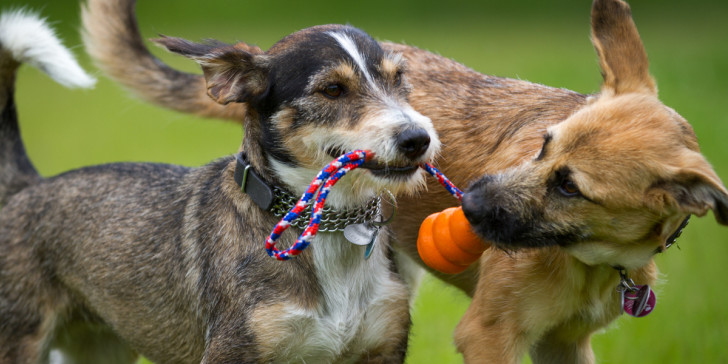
(252, 49)
(622, 56)
(234, 73)
(694, 189)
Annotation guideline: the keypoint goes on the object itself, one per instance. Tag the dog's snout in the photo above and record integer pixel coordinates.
(488, 212)
(476, 205)
(413, 142)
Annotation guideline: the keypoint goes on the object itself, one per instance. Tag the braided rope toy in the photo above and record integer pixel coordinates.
(323, 183)
(444, 181)
(325, 180)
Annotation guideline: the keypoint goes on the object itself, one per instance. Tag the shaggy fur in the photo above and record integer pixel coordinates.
(104, 262)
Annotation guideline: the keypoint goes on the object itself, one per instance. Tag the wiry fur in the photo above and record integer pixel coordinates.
(634, 160)
(105, 262)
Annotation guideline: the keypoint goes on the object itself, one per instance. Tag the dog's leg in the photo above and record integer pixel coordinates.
(552, 349)
(482, 338)
(29, 304)
(22, 350)
(28, 310)
(395, 350)
(24, 330)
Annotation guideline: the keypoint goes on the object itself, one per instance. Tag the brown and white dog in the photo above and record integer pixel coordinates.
(576, 187)
(105, 262)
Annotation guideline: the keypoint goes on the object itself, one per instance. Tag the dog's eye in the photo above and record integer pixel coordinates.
(398, 79)
(333, 91)
(568, 188)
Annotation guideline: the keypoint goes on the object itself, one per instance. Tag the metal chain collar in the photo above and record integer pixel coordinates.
(331, 220)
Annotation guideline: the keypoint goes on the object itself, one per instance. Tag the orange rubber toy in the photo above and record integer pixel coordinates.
(447, 244)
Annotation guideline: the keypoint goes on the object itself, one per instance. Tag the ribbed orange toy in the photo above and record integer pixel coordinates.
(447, 244)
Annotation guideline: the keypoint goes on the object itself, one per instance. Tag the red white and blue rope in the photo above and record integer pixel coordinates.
(325, 180)
(444, 181)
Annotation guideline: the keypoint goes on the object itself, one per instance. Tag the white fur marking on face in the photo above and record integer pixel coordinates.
(350, 47)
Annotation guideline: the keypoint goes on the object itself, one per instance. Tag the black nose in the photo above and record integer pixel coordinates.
(487, 208)
(477, 202)
(413, 142)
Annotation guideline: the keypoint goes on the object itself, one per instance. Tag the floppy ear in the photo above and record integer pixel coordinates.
(234, 73)
(622, 56)
(695, 189)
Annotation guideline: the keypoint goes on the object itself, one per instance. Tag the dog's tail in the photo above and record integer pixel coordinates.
(113, 40)
(26, 38)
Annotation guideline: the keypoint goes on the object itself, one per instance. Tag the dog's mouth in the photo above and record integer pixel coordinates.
(383, 169)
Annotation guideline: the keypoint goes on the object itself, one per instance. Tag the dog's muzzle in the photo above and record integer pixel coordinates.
(503, 219)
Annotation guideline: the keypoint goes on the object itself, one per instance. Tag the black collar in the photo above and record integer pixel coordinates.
(670, 241)
(252, 184)
(673, 238)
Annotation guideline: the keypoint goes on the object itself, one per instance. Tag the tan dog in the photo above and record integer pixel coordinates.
(595, 182)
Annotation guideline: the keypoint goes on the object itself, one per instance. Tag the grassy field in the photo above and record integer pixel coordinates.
(544, 42)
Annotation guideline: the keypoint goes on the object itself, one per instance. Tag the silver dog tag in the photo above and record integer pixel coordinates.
(360, 234)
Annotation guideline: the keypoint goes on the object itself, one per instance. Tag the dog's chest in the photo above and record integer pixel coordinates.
(362, 308)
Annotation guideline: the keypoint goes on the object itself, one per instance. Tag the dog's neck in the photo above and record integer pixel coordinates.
(604, 275)
(252, 147)
(593, 282)
(259, 175)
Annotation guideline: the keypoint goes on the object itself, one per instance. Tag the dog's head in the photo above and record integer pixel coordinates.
(318, 93)
(613, 181)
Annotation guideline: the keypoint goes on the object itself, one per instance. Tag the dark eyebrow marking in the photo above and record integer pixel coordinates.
(546, 139)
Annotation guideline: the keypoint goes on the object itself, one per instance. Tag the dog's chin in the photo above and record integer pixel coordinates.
(398, 180)
(605, 253)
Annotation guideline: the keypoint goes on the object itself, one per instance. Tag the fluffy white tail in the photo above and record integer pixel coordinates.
(26, 38)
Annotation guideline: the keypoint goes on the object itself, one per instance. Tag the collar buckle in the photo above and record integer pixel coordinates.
(251, 184)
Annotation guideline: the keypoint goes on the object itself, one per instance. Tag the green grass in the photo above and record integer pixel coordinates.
(545, 42)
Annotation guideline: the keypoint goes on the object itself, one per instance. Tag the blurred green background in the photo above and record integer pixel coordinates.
(540, 41)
